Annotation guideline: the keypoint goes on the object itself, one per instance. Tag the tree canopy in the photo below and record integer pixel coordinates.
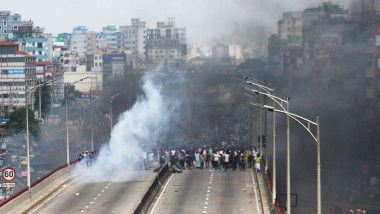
(17, 121)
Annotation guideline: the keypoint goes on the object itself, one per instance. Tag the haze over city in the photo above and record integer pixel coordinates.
(206, 22)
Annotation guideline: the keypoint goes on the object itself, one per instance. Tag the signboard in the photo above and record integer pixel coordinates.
(9, 174)
(16, 71)
(7, 185)
(58, 41)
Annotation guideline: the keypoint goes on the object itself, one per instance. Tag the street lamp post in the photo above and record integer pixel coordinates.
(280, 102)
(111, 99)
(67, 121)
(92, 130)
(316, 138)
(262, 85)
(28, 92)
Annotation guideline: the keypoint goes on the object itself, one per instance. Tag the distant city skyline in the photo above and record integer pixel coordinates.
(206, 22)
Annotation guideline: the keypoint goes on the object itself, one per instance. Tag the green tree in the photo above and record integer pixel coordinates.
(17, 121)
(72, 95)
(45, 99)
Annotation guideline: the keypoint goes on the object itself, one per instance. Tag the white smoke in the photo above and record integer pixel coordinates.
(137, 129)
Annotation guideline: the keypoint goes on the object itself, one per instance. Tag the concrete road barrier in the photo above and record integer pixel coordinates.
(26, 199)
(153, 190)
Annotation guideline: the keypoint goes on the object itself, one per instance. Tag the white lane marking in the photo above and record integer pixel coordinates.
(254, 187)
(95, 198)
(209, 182)
(63, 187)
(205, 207)
(87, 206)
(208, 190)
(106, 187)
(204, 211)
(102, 190)
(99, 194)
(82, 211)
(206, 199)
(206, 202)
(163, 190)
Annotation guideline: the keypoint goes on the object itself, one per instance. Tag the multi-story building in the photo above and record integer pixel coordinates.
(166, 44)
(114, 66)
(134, 38)
(94, 62)
(45, 71)
(192, 51)
(112, 37)
(18, 72)
(101, 40)
(78, 42)
(91, 43)
(219, 50)
(66, 37)
(35, 46)
(12, 27)
(235, 52)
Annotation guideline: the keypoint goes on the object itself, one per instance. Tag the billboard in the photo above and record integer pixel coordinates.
(58, 41)
(18, 71)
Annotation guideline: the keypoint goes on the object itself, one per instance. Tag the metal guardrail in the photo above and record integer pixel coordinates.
(274, 208)
(153, 190)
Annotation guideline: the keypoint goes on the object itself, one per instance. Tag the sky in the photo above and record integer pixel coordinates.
(206, 21)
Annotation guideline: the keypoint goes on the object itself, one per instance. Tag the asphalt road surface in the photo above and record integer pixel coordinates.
(120, 194)
(208, 191)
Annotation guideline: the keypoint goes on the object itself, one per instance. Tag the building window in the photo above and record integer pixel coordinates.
(4, 72)
(39, 45)
(15, 27)
(4, 60)
(5, 31)
(5, 23)
(1, 27)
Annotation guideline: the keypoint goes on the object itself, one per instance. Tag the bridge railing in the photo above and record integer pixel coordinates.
(275, 209)
(26, 195)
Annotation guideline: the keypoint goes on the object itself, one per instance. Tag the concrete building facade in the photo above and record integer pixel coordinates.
(134, 38)
(166, 44)
(18, 72)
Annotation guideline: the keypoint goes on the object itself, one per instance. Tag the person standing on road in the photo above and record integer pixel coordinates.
(258, 160)
(197, 159)
(216, 160)
(226, 160)
(202, 160)
(208, 156)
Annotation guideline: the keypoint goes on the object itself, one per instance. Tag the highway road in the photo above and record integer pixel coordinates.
(92, 195)
(209, 191)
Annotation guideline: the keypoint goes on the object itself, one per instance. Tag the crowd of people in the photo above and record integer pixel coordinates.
(218, 159)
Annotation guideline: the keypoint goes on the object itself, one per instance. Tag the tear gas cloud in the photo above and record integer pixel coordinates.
(138, 129)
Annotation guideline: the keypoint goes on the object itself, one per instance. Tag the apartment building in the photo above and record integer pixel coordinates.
(166, 44)
(18, 72)
(78, 42)
(134, 38)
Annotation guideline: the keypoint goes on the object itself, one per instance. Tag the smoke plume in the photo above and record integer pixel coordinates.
(139, 129)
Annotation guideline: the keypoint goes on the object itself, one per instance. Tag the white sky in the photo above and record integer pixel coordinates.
(206, 21)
